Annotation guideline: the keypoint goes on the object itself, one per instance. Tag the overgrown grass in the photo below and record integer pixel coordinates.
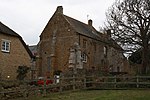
(98, 95)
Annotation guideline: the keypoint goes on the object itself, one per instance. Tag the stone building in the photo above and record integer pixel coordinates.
(33, 49)
(68, 44)
(13, 53)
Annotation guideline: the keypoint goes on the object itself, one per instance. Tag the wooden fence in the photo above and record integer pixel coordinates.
(122, 82)
(25, 89)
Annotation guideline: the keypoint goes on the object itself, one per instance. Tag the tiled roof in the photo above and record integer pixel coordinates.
(83, 28)
(91, 32)
(33, 49)
(6, 30)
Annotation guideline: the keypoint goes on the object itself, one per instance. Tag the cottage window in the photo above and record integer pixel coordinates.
(5, 47)
(84, 57)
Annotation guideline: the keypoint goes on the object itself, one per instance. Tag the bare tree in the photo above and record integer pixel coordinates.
(130, 22)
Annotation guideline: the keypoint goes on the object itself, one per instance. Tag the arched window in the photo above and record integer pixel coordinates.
(84, 43)
(105, 51)
(118, 69)
(84, 57)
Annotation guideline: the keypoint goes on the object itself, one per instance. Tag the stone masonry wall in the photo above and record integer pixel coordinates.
(17, 56)
(56, 40)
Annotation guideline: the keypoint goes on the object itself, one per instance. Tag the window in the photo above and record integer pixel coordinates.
(5, 46)
(94, 47)
(48, 63)
(105, 51)
(84, 57)
(118, 69)
(111, 68)
(84, 43)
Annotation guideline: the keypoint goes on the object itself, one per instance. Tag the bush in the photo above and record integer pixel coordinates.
(22, 71)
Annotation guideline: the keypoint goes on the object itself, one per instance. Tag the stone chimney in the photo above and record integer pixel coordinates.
(108, 32)
(59, 9)
(90, 22)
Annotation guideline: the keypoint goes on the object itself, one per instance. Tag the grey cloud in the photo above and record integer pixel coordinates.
(29, 17)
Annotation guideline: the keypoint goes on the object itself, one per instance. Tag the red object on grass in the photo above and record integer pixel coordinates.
(41, 82)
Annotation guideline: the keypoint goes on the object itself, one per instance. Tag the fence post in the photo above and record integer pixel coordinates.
(60, 83)
(137, 81)
(25, 89)
(94, 81)
(115, 81)
(74, 87)
(44, 88)
(84, 82)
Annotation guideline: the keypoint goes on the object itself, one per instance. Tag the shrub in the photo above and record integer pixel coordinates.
(22, 71)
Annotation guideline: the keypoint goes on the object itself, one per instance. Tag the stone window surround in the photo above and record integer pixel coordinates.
(84, 57)
(105, 51)
(6, 44)
(84, 43)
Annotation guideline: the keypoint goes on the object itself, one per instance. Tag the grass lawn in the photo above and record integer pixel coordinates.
(98, 95)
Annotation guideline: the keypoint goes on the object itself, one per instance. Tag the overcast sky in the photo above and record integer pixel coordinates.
(29, 17)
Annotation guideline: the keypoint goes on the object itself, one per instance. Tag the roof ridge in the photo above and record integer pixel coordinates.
(76, 20)
(82, 27)
(6, 30)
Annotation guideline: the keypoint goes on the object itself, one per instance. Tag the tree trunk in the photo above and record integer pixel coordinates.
(144, 59)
